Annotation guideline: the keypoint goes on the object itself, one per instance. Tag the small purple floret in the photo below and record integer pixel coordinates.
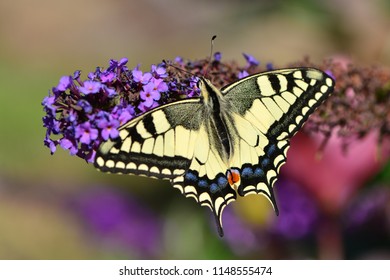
(90, 87)
(251, 60)
(109, 128)
(86, 133)
(65, 83)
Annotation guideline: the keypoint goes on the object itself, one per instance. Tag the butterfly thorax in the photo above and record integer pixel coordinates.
(217, 110)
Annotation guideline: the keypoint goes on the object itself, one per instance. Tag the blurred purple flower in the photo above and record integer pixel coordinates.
(269, 66)
(251, 60)
(119, 217)
(179, 59)
(298, 213)
(369, 210)
(217, 56)
(242, 74)
(241, 238)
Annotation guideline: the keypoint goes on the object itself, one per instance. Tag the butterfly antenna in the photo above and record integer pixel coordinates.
(211, 54)
(168, 63)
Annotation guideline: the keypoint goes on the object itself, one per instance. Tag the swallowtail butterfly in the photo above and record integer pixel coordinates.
(227, 141)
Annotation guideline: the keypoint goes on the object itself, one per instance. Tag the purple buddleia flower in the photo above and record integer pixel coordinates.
(146, 106)
(149, 94)
(126, 115)
(90, 87)
(269, 66)
(109, 128)
(122, 63)
(50, 144)
(179, 59)
(86, 133)
(113, 64)
(139, 77)
(48, 105)
(76, 75)
(65, 83)
(251, 60)
(94, 75)
(72, 116)
(217, 56)
(193, 90)
(89, 156)
(84, 104)
(52, 125)
(243, 74)
(67, 144)
(107, 77)
(109, 91)
(158, 72)
(158, 85)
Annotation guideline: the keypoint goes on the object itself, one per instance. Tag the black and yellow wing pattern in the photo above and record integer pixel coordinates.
(227, 141)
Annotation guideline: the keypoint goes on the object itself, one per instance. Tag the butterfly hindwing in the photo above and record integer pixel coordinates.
(205, 180)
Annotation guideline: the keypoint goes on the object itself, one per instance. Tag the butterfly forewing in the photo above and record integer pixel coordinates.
(157, 144)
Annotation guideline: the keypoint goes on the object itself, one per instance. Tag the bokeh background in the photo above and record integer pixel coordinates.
(333, 206)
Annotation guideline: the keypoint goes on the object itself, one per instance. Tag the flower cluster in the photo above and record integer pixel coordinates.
(81, 114)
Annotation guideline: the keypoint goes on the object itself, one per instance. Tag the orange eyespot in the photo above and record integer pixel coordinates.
(233, 176)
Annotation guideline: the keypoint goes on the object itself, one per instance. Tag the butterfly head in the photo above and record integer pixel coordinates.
(210, 94)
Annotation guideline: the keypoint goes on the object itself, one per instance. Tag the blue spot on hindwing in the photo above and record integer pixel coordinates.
(259, 172)
(247, 172)
(271, 149)
(214, 188)
(265, 162)
(222, 182)
(203, 183)
(191, 176)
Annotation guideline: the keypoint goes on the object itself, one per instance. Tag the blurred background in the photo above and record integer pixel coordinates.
(333, 206)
